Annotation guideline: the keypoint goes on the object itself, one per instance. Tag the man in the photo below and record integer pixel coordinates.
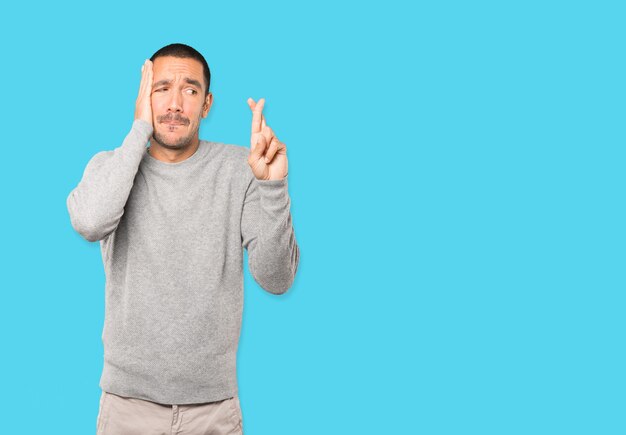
(173, 220)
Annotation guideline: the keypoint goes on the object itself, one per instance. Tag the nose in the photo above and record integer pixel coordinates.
(175, 103)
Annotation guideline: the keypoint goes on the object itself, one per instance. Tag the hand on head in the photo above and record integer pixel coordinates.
(143, 106)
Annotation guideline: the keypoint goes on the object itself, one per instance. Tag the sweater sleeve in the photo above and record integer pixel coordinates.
(97, 204)
(268, 235)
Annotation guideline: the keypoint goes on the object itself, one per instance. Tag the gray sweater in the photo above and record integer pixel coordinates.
(172, 237)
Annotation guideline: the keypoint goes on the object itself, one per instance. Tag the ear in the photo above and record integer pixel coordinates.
(208, 101)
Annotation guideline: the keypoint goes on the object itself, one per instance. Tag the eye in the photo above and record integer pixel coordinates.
(193, 91)
(160, 89)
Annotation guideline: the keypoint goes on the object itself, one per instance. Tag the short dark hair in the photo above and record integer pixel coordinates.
(185, 51)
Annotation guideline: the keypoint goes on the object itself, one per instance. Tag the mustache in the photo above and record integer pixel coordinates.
(173, 118)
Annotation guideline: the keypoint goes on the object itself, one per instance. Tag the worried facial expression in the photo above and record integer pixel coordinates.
(178, 101)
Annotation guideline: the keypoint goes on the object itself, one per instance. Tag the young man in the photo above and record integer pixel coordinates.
(173, 220)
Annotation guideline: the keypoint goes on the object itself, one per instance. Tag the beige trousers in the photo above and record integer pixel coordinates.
(129, 416)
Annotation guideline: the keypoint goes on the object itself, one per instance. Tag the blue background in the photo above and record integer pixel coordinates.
(456, 171)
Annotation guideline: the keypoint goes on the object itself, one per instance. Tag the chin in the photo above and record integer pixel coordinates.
(173, 141)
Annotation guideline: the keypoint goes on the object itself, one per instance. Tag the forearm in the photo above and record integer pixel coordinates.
(275, 256)
(96, 205)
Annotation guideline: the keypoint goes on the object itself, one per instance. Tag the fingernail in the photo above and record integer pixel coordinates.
(267, 159)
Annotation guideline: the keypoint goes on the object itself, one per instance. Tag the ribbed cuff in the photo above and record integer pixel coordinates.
(274, 195)
(143, 127)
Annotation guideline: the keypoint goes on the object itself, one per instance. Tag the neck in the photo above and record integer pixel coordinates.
(170, 155)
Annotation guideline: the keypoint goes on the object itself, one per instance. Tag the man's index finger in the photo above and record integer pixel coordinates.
(257, 115)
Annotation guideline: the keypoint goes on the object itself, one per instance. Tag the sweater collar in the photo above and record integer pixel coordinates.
(155, 163)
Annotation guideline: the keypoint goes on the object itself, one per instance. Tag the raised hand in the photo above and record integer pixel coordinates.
(268, 155)
(143, 107)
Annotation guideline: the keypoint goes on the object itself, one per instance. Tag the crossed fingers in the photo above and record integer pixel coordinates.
(262, 133)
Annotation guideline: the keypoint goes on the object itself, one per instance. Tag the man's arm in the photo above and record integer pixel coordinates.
(268, 235)
(96, 205)
(266, 229)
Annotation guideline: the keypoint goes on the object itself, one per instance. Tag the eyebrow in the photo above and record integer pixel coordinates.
(189, 80)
